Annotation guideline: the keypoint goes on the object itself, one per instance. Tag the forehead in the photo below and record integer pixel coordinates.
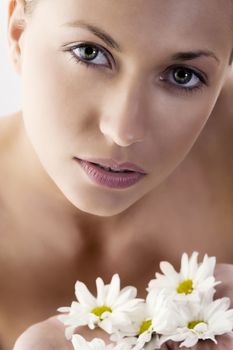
(147, 22)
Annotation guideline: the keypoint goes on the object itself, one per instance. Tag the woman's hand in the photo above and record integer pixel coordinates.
(225, 342)
(46, 335)
(224, 273)
(50, 334)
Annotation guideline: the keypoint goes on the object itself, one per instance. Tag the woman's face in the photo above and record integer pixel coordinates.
(145, 102)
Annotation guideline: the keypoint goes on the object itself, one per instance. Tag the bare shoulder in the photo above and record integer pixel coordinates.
(7, 136)
(8, 128)
(5, 126)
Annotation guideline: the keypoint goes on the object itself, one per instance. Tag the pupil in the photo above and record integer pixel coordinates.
(182, 76)
(90, 52)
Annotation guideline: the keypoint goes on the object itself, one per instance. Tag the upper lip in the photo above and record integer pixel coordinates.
(111, 163)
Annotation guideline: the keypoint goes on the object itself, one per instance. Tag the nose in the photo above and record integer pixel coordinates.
(123, 120)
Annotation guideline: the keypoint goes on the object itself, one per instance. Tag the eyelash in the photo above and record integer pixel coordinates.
(185, 89)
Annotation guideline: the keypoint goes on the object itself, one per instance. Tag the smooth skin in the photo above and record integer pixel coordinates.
(58, 227)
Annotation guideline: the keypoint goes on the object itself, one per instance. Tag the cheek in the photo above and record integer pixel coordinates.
(184, 125)
(177, 125)
(56, 98)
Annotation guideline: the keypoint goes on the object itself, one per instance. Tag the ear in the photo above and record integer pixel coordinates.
(16, 28)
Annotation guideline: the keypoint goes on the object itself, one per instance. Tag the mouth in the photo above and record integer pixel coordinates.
(110, 176)
(112, 170)
(112, 165)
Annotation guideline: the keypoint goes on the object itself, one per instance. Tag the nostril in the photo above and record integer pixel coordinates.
(120, 136)
(122, 140)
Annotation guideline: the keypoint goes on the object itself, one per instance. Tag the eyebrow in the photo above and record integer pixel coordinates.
(100, 33)
(190, 55)
(96, 31)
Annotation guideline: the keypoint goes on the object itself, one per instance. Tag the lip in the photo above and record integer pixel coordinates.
(106, 178)
(111, 163)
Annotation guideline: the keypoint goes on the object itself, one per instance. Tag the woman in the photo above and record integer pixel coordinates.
(127, 86)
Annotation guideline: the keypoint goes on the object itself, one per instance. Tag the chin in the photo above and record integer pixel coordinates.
(100, 210)
(103, 206)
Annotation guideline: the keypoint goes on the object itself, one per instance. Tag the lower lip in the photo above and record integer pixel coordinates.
(108, 179)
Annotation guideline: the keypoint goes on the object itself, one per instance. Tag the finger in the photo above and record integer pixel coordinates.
(224, 273)
(224, 342)
(46, 335)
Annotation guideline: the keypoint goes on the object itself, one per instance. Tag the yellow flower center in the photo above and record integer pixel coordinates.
(192, 324)
(185, 287)
(145, 326)
(99, 310)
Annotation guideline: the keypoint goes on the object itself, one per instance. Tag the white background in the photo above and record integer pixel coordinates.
(9, 80)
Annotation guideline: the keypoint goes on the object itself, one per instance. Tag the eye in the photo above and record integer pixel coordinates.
(182, 77)
(90, 55)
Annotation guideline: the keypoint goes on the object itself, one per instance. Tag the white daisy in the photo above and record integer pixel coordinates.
(96, 344)
(156, 319)
(209, 320)
(191, 282)
(110, 310)
(149, 321)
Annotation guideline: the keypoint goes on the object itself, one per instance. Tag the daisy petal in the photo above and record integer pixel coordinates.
(100, 291)
(83, 295)
(114, 290)
(167, 269)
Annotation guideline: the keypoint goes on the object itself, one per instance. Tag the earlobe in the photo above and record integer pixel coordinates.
(16, 27)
